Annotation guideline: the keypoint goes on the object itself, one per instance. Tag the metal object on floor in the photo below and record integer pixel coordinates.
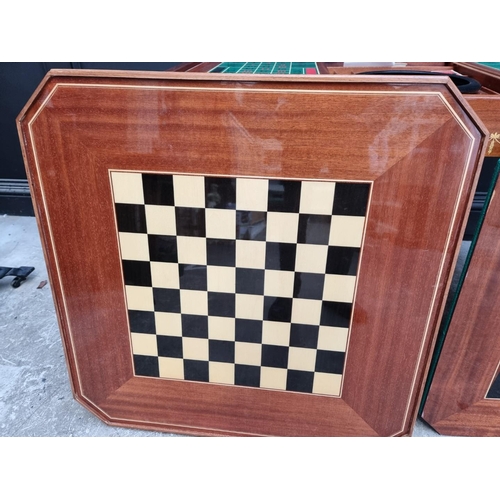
(20, 274)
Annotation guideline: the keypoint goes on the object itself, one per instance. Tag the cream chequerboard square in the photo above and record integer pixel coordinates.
(139, 298)
(194, 302)
(171, 368)
(127, 187)
(249, 306)
(278, 283)
(339, 288)
(194, 348)
(346, 231)
(311, 258)
(168, 324)
(165, 275)
(306, 311)
(273, 378)
(332, 338)
(246, 353)
(302, 359)
(317, 197)
(282, 227)
(275, 333)
(251, 194)
(134, 246)
(191, 250)
(160, 219)
(144, 344)
(221, 279)
(189, 191)
(220, 328)
(327, 383)
(251, 254)
(220, 223)
(221, 373)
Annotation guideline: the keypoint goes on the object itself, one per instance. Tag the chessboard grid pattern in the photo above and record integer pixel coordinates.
(240, 281)
(267, 68)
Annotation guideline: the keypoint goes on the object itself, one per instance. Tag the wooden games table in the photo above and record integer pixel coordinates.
(248, 254)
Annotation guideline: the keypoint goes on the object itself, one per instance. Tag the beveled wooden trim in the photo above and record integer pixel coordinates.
(488, 108)
(486, 76)
(188, 76)
(118, 400)
(469, 360)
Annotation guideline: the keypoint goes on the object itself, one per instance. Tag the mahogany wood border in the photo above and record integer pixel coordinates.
(469, 361)
(62, 152)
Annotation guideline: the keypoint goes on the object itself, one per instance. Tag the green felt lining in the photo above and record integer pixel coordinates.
(268, 68)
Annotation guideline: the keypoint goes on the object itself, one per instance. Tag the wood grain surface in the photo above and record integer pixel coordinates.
(488, 109)
(456, 403)
(413, 137)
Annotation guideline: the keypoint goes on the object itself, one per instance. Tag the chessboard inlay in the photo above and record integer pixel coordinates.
(240, 281)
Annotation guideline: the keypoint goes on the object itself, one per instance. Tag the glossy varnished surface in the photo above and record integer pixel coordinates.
(488, 109)
(240, 281)
(415, 144)
(464, 396)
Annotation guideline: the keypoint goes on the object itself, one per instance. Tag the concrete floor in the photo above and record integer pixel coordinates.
(35, 394)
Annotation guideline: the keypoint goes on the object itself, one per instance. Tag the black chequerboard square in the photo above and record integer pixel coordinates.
(351, 198)
(170, 347)
(190, 221)
(342, 260)
(167, 300)
(248, 330)
(196, 370)
(281, 256)
(251, 225)
(336, 314)
(308, 286)
(130, 218)
(221, 350)
(162, 248)
(194, 326)
(250, 281)
(193, 277)
(284, 196)
(314, 229)
(147, 366)
(221, 304)
(158, 189)
(299, 381)
(136, 272)
(221, 252)
(275, 356)
(304, 336)
(142, 321)
(330, 362)
(247, 375)
(278, 309)
(220, 192)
